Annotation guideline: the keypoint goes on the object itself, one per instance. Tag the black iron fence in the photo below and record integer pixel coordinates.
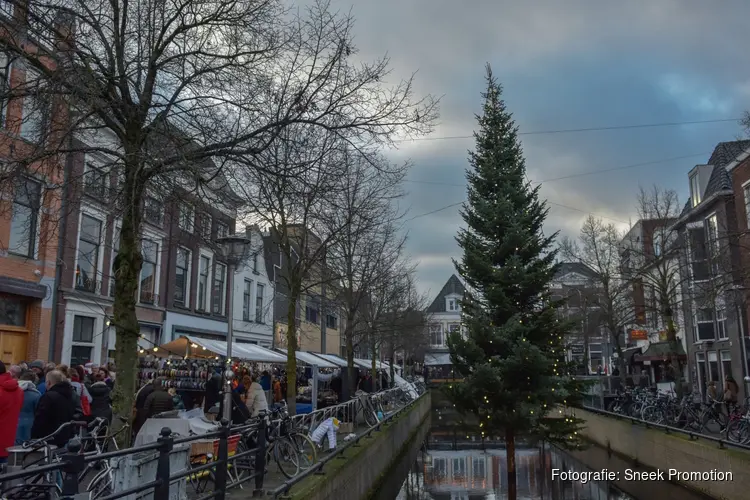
(67, 467)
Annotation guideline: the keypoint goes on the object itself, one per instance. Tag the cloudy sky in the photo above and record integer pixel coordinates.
(564, 65)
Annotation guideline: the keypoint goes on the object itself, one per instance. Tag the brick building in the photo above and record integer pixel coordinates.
(30, 202)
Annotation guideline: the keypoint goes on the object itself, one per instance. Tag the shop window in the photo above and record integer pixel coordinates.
(12, 311)
(713, 369)
(726, 364)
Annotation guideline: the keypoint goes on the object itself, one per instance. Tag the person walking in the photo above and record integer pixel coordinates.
(101, 399)
(11, 400)
(256, 398)
(31, 398)
(56, 407)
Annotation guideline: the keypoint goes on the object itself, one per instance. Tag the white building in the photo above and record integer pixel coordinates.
(253, 296)
(444, 317)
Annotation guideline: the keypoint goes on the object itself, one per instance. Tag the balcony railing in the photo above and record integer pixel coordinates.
(88, 284)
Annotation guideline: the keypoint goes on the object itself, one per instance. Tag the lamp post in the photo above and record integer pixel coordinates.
(235, 250)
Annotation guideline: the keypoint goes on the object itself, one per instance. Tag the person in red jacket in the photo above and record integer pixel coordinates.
(11, 399)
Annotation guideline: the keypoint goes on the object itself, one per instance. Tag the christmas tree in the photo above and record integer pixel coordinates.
(511, 356)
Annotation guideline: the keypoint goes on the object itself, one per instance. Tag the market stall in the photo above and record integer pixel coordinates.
(311, 398)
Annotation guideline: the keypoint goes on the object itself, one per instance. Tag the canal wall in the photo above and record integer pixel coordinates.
(364, 468)
(658, 450)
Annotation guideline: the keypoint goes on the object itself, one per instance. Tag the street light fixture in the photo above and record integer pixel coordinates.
(235, 250)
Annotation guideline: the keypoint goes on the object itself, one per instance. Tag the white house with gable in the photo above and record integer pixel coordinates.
(444, 317)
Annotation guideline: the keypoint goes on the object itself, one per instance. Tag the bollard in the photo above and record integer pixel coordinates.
(260, 457)
(161, 492)
(222, 464)
(73, 465)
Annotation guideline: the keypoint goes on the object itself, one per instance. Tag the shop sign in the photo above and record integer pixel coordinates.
(638, 335)
(576, 349)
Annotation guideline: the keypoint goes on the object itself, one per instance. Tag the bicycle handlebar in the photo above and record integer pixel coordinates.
(72, 423)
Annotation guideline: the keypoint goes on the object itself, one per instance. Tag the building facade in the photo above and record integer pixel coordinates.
(253, 296)
(713, 297)
(444, 318)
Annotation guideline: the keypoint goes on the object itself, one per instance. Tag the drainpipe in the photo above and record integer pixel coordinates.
(60, 263)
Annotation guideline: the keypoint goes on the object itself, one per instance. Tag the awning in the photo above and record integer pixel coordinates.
(332, 358)
(187, 345)
(16, 286)
(308, 358)
(437, 359)
(660, 351)
(367, 364)
(629, 354)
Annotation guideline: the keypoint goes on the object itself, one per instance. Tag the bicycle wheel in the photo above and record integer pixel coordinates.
(738, 431)
(101, 485)
(286, 456)
(306, 449)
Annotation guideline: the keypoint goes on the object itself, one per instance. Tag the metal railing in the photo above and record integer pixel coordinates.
(723, 443)
(73, 462)
(317, 468)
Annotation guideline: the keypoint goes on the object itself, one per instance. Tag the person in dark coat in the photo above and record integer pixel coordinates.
(140, 403)
(213, 392)
(31, 397)
(56, 407)
(158, 401)
(101, 400)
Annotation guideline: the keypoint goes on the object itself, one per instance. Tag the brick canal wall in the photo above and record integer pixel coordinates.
(358, 474)
(656, 449)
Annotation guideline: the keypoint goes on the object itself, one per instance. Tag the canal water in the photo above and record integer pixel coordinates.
(447, 461)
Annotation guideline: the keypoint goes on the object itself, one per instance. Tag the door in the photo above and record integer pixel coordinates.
(12, 347)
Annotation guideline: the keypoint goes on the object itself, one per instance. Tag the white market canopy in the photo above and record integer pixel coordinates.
(191, 346)
(309, 358)
(437, 358)
(332, 358)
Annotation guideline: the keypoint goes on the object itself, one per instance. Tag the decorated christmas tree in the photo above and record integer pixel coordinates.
(511, 355)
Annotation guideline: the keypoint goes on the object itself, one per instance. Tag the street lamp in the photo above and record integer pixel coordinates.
(235, 250)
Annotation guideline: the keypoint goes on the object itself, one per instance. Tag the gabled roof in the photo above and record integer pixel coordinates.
(720, 180)
(452, 286)
(575, 267)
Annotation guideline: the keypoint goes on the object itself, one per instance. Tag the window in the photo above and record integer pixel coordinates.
(182, 278)
(695, 191)
(704, 325)
(220, 289)
(713, 369)
(205, 271)
(5, 66)
(12, 311)
(726, 364)
(25, 218)
(697, 250)
(452, 305)
(246, 300)
(657, 245)
(436, 335)
(255, 263)
(206, 226)
(187, 216)
(222, 230)
(595, 357)
(34, 108)
(712, 234)
(721, 323)
(259, 289)
(454, 328)
(83, 340)
(311, 314)
(746, 190)
(96, 181)
(115, 250)
(88, 253)
(478, 470)
(153, 211)
(700, 359)
(332, 322)
(150, 253)
(459, 467)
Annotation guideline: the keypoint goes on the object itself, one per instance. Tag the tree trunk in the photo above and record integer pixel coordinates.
(127, 271)
(510, 450)
(291, 356)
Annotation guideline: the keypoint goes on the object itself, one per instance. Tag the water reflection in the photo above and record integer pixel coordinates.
(481, 474)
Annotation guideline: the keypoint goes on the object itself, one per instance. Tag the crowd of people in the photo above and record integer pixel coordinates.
(37, 398)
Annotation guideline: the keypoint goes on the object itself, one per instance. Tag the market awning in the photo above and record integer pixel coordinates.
(660, 351)
(309, 358)
(437, 359)
(629, 354)
(187, 345)
(332, 358)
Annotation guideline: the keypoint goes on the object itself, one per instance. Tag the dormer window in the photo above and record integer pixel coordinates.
(695, 190)
(452, 305)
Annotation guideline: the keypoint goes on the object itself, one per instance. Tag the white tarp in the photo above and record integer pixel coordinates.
(437, 358)
(190, 345)
(309, 358)
(332, 358)
(407, 386)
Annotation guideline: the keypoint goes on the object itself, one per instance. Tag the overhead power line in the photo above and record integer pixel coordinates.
(580, 130)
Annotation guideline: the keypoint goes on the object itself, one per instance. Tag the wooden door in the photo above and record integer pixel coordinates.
(13, 347)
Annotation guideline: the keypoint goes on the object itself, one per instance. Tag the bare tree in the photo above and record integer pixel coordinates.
(369, 244)
(598, 247)
(187, 89)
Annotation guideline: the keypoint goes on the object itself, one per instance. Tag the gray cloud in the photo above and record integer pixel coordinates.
(563, 65)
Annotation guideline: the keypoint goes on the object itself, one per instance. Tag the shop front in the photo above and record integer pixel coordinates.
(20, 311)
